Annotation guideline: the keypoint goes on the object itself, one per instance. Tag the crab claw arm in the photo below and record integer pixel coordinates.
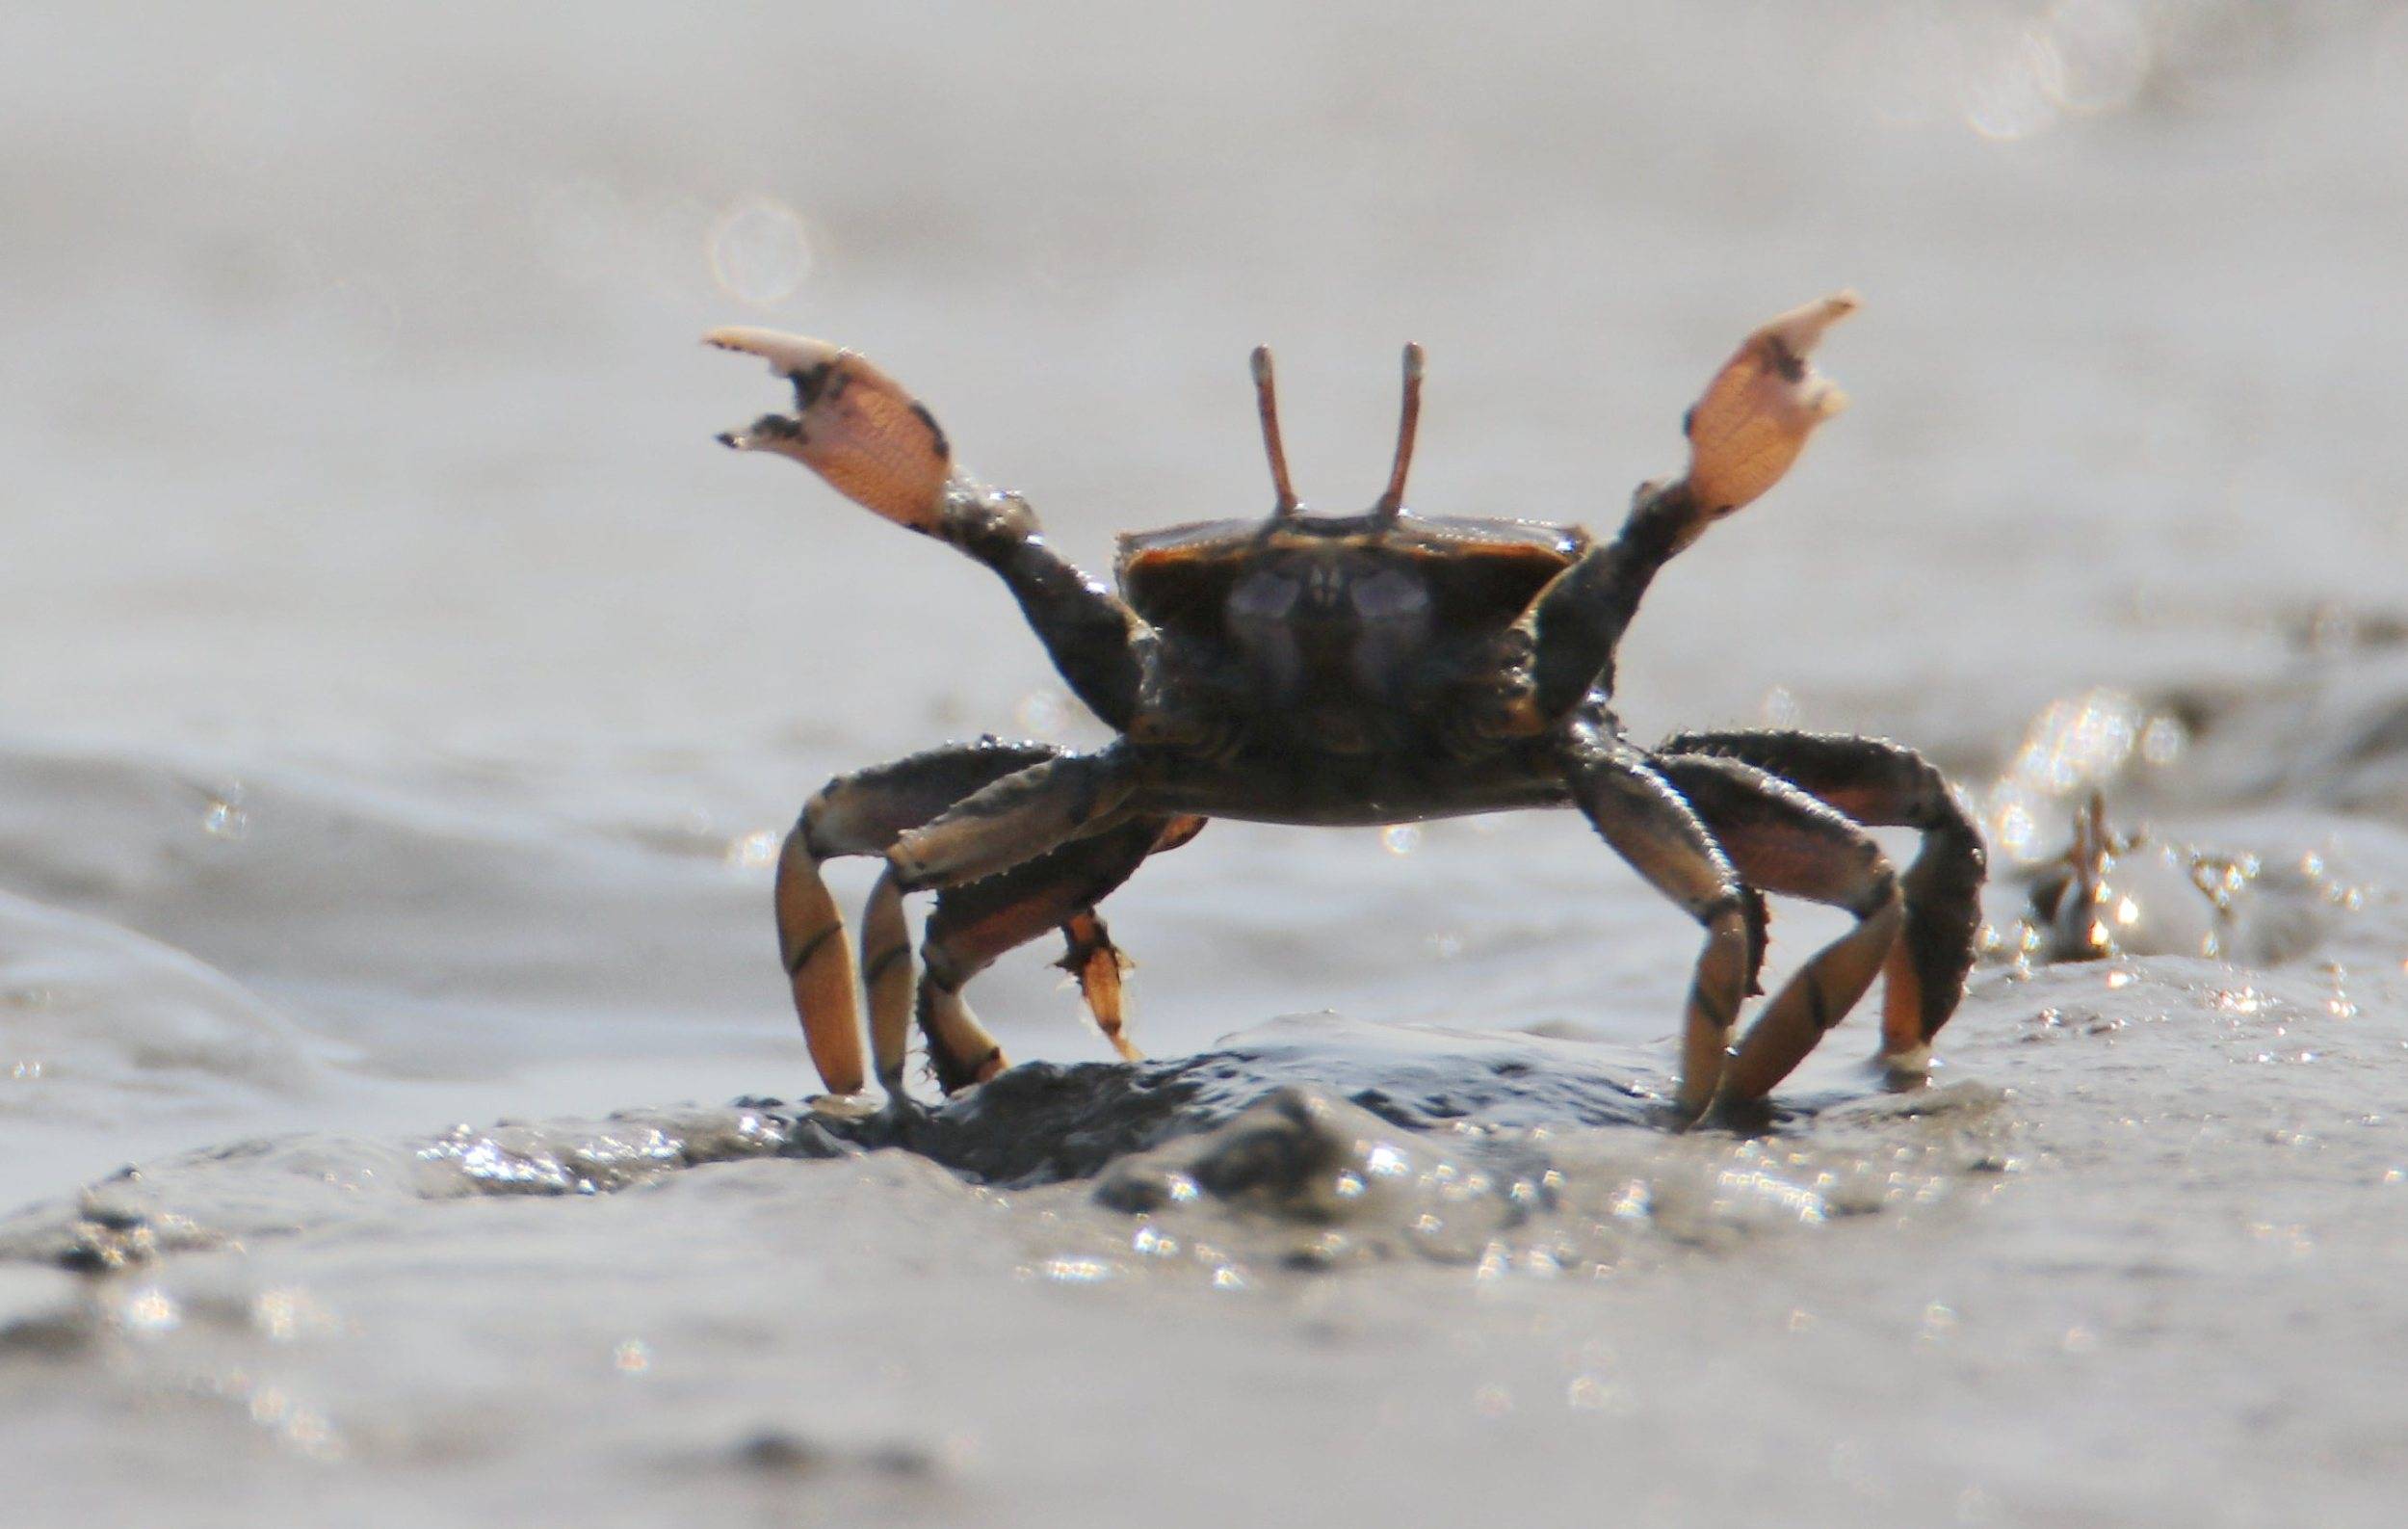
(876, 444)
(1754, 417)
(1743, 434)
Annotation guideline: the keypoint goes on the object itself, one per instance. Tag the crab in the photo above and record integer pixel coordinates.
(1361, 670)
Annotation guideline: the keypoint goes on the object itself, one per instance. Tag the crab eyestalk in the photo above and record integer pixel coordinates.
(1267, 402)
(852, 425)
(1391, 502)
(1756, 414)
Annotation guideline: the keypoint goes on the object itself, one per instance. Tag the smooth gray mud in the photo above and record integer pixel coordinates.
(1391, 1272)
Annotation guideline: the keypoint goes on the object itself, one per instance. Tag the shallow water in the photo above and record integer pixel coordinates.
(401, 700)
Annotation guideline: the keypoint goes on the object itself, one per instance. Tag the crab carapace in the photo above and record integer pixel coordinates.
(1371, 669)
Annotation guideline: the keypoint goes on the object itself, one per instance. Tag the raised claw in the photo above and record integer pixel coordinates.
(1754, 417)
(853, 425)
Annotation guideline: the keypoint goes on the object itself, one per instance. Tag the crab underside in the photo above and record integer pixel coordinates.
(1372, 668)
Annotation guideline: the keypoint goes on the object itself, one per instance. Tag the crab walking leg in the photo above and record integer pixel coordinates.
(1008, 823)
(886, 975)
(1637, 811)
(1101, 969)
(1888, 785)
(1783, 840)
(974, 923)
(878, 446)
(1744, 432)
(862, 814)
(1016, 820)
(819, 964)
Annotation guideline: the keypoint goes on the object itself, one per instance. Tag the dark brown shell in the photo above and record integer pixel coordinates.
(1479, 573)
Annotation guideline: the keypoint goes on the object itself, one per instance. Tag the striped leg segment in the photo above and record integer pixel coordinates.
(862, 814)
(1637, 811)
(886, 973)
(1783, 840)
(975, 922)
(1883, 784)
(818, 963)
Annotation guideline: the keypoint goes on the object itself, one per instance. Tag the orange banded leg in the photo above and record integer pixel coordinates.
(862, 814)
(819, 964)
(1887, 785)
(886, 975)
(1648, 824)
(974, 923)
(1783, 840)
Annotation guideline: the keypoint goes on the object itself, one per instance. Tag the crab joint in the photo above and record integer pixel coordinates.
(1755, 415)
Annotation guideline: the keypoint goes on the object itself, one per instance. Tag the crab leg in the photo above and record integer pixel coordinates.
(1884, 785)
(1744, 432)
(1101, 969)
(862, 814)
(886, 974)
(974, 923)
(1636, 810)
(819, 964)
(878, 446)
(1004, 824)
(1783, 840)
(1014, 820)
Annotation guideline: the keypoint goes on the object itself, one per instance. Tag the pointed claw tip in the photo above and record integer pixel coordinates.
(786, 353)
(1802, 328)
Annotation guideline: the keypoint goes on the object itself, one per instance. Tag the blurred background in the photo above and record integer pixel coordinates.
(401, 697)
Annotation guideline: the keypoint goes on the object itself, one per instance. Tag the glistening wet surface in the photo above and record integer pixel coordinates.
(2125, 1163)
